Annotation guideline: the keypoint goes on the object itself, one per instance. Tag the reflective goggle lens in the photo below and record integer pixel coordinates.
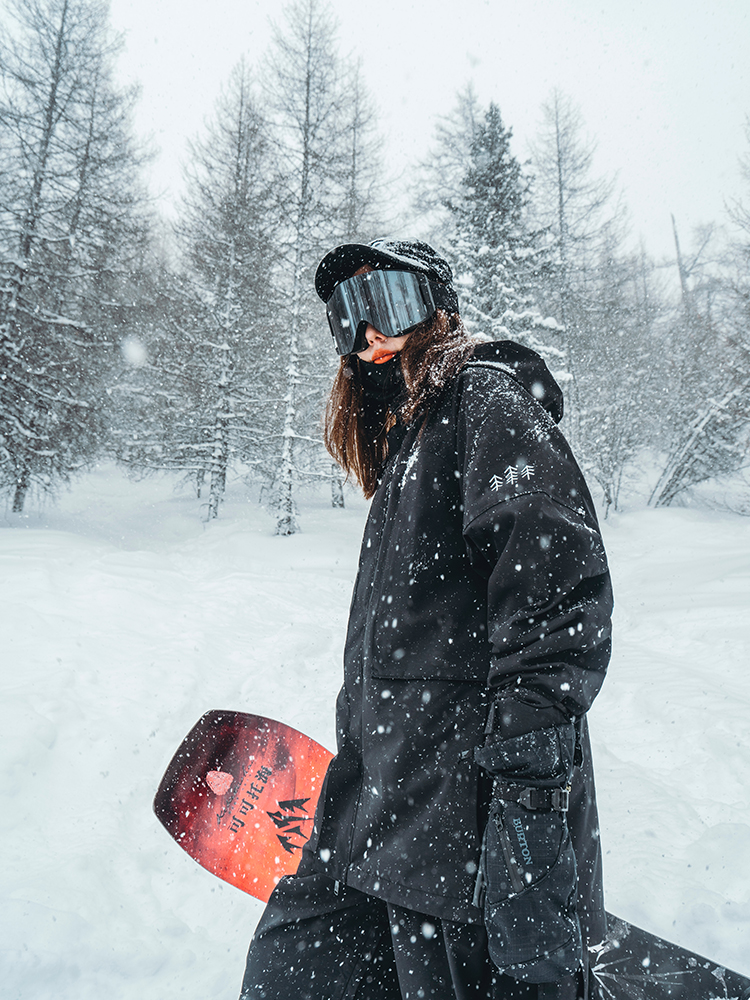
(391, 301)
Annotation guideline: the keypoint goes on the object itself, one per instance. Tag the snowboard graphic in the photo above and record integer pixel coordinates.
(240, 794)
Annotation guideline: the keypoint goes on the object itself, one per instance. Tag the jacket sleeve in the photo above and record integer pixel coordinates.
(531, 531)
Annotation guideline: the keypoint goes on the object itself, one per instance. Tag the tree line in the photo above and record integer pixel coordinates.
(199, 347)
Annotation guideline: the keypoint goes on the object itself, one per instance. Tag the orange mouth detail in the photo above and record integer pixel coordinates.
(380, 357)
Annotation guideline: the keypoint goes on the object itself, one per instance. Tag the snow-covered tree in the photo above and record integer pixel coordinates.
(214, 369)
(319, 124)
(498, 258)
(619, 387)
(70, 221)
(440, 175)
(362, 167)
(575, 207)
(705, 426)
(737, 270)
(604, 297)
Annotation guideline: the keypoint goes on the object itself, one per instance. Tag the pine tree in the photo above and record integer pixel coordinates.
(70, 219)
(574, 206)
(214, 362)
(705, 426)
(603, 297)
(499, 258)
(440, 175)
(230, 234)
(616, 375)
(737, 270)
(317, 127)
(362, 168)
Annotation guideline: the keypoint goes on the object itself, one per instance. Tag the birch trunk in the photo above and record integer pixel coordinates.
(220, 449)
(337, 488)
(287, 523)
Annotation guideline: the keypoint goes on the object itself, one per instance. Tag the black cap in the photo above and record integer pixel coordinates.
(400, 255)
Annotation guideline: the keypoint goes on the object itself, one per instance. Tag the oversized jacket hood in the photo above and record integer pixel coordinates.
(528, 369)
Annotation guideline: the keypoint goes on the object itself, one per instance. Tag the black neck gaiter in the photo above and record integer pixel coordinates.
(383, 383)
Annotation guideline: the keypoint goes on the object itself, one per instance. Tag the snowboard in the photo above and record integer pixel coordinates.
(239, 796)
(632, 964)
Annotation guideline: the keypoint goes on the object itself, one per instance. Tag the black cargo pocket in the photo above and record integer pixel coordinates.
(528, 870)
(421, 669)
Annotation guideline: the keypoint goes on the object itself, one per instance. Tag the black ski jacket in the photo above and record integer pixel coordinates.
(482, 595)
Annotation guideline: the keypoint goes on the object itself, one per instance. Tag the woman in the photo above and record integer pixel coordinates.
(455, 850)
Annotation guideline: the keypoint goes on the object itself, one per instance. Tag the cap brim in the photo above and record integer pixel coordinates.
(343, 261)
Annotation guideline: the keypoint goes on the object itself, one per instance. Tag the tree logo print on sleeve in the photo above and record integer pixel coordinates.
(512, 475)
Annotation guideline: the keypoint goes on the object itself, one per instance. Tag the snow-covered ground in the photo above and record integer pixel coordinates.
(124, 618)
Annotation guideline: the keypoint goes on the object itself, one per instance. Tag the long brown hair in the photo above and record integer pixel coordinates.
(356, 426)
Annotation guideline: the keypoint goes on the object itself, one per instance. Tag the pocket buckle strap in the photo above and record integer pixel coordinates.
(536, 799)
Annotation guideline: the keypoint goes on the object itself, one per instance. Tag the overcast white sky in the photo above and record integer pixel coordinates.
(663, 85)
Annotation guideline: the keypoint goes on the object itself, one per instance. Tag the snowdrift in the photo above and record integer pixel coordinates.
(125, 618)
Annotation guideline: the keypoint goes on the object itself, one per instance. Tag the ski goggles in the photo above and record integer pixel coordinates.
(394, 302)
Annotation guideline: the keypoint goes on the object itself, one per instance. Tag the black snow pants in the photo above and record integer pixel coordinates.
(321, 940)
